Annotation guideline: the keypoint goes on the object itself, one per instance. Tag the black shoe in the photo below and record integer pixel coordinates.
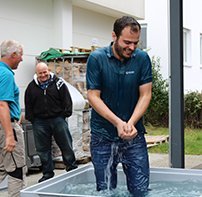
(69, 168)
(45, 177)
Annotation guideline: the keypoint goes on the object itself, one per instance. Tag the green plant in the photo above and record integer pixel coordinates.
(158, 110)
(193, 108)
(157, 113)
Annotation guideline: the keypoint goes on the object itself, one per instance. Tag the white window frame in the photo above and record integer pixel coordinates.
(143, 38)
(186, 47)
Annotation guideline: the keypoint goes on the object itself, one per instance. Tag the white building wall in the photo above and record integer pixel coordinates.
(131, 7)
(156, 13)
(30, 23)
(156, 18)
(42, 24)
(62, 23)
(192, 21)
(89, 25)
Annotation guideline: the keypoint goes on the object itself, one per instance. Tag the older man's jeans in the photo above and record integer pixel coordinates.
(134, 158)
(44, 129)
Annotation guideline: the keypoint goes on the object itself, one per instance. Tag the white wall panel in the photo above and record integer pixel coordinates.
(88, 25)
(156, 18)
(29, 22)
(41, 24)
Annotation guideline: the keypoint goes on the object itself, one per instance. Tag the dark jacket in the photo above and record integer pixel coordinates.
(51, 102)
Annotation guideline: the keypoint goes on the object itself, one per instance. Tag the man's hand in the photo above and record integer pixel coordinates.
(120, 129)
(126, 131)
(10, 143)
(130, 132)
(7, 126)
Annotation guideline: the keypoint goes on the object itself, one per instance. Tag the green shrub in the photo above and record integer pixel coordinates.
(192, 109)
(157, 113)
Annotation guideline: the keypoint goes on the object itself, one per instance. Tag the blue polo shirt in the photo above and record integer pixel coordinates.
(119, 85)
(9, 91)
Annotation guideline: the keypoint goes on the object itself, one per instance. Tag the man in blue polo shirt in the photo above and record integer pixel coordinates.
(119, 83)
(12, 151)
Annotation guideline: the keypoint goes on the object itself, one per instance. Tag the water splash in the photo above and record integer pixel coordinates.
(114, 151)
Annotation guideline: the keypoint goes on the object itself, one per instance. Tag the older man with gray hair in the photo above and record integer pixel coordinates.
(12, 151)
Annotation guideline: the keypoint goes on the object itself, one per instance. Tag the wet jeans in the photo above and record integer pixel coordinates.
(44, 129)
(134, 158)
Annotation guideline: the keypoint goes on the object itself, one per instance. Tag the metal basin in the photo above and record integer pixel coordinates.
(85, 174)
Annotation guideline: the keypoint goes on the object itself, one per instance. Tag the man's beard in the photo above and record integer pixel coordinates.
(120, 51)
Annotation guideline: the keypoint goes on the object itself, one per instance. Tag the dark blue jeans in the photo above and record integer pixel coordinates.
(44, 129)
(134, 158)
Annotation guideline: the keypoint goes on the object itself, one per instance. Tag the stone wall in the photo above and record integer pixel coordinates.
(73, 70)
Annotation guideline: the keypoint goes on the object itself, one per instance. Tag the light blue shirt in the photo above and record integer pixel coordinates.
(9, 91)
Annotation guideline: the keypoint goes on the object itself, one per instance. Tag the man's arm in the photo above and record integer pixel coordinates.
(67, 103)
(28, 105)
(5, 120)
(100, 107)
(142, 104)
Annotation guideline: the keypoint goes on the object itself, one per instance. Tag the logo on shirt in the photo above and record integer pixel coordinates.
(59, 83)
(130, 72)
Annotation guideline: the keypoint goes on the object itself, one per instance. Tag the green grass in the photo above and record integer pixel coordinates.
(193, 140)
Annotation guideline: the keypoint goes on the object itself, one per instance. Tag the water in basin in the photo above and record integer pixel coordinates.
(188, 188)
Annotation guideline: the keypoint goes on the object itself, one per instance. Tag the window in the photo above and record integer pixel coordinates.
(186, 46)
(143, 37)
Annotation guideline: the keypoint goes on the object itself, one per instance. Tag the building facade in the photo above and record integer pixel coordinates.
(42, 24)
(157, 29)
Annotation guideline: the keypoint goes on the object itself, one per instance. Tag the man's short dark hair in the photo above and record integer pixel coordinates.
(123, 22)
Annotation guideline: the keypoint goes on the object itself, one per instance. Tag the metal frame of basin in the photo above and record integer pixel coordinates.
(85, 174)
